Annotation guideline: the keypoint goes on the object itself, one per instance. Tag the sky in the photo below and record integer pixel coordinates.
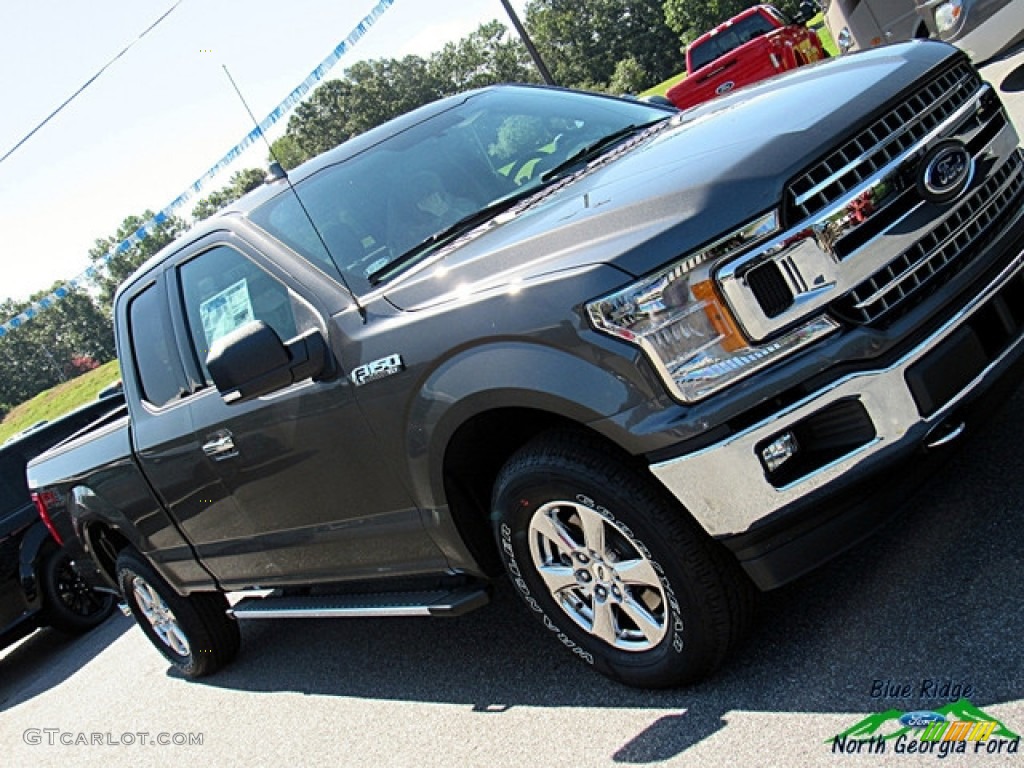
(165, 112)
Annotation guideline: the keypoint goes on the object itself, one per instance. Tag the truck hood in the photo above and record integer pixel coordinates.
(711, 170)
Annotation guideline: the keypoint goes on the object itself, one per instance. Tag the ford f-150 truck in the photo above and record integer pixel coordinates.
(659, 371)
(754, 45)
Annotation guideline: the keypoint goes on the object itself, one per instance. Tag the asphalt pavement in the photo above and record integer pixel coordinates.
(926, 612)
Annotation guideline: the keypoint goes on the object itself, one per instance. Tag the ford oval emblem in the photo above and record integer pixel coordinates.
(945, 171)
(921, 719)
(725, 87)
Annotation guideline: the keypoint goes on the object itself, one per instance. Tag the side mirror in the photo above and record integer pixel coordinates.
(252, 361)
(808, 10)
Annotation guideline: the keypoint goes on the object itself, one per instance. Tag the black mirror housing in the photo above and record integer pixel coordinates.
(252, 361)
(808, 10)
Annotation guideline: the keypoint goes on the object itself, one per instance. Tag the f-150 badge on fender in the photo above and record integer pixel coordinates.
(378, 369)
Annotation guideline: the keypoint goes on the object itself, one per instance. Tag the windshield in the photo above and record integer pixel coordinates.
(375, 207)
(733, 36)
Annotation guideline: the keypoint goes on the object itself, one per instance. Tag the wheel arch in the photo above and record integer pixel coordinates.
(475, 455)
(104, 543)
(104, 530)
(36, 545)
(472, 412)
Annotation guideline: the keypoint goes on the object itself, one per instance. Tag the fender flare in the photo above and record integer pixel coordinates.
(512, 374)
(89, 510)
(34, 546)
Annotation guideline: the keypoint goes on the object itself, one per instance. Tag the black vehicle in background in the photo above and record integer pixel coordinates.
(42, 583)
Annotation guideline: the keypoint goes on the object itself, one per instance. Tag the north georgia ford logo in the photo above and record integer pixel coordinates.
(945, 171)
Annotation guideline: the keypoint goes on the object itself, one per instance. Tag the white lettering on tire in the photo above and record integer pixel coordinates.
(524, 590)
(677, 621)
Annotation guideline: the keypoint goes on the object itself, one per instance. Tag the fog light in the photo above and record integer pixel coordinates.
(779, 451)
(946, 15)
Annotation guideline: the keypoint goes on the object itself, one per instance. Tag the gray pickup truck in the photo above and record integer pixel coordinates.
(644, 361)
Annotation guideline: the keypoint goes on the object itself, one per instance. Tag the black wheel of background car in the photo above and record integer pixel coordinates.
(613, 568)
(194, 633)
(71, 605)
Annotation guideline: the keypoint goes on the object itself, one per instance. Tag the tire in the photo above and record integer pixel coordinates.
(194, 633)
(71, 606)
(613, 568)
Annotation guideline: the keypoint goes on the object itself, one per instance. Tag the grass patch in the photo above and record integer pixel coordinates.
(55, 402)
(818, 25)
(661, 89)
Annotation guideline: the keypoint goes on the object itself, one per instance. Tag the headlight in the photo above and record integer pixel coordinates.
(947, 15)
(678, 319)
(844, 40)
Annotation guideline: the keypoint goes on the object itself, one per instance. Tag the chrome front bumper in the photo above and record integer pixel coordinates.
(726, 487)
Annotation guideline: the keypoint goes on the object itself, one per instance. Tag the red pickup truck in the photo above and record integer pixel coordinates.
(754, 45)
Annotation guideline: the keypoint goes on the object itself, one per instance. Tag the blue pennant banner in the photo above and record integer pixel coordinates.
(293, 98)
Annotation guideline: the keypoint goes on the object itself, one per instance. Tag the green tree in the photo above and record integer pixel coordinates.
(583, 41)
(629, 77)
(383, 89)
(241, 182)
(691, 18)
(370, 93)
(53, 346)
(373, 92)
(123, 264)
(287, 152)
(487, 56)
(319, 122)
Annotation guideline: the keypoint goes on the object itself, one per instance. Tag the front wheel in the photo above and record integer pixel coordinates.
(194, 633)
(614, 569)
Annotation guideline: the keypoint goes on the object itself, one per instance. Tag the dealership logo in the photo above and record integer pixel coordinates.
(945, 172)
(955, 728)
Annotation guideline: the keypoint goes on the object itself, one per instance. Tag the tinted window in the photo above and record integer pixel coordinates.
(375, 206)
(223, 291)
(743, 31)
(13, 487)
(159, 369)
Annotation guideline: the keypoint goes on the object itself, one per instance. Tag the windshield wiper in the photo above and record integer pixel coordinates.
(596, 148)
(447, 234)
(476, 218)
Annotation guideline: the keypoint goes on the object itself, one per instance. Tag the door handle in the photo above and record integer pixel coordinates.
(221, 446)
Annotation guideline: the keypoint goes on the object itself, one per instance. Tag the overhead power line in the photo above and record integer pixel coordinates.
(87, 83)
(147, 229)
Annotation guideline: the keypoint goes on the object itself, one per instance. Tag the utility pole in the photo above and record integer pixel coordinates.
(534, 54)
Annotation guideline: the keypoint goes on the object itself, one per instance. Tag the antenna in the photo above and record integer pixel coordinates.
(277, 171)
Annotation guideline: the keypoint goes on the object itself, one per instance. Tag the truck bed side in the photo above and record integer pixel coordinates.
(95, 480)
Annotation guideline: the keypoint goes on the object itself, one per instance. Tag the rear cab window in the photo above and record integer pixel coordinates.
(158, 367)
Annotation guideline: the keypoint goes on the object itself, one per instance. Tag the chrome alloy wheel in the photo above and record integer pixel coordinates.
(160, 617)
(598, 575)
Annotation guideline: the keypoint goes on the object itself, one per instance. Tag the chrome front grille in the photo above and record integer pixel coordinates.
(860, 240)
(877, 145)
(941, 253)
